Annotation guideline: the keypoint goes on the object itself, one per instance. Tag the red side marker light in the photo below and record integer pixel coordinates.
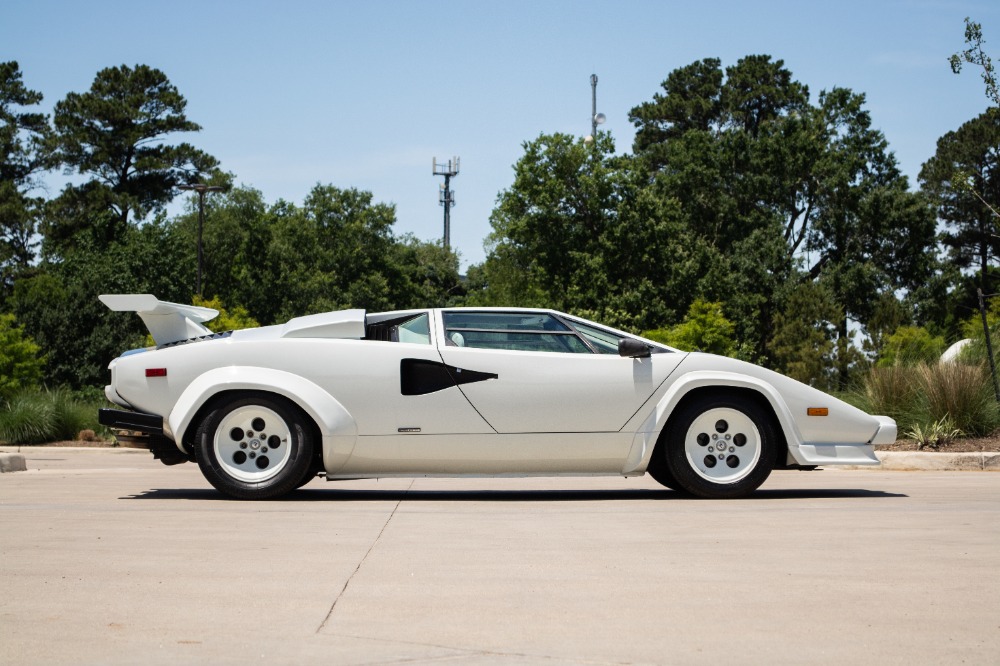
(818, 411)
(156, 372)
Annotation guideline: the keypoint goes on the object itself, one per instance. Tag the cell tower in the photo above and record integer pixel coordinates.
(447, 198)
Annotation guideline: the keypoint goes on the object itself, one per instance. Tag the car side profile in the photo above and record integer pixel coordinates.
(464, 392)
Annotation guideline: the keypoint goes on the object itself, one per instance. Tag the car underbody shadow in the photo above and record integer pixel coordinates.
(569, 495)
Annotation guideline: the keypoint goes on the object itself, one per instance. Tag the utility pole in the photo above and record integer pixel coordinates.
(989, 342)
(447, 198)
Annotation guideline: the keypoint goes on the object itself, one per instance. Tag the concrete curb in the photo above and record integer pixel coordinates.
(939, 462)
(12, 462)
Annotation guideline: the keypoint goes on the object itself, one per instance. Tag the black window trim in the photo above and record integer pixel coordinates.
(568, 324)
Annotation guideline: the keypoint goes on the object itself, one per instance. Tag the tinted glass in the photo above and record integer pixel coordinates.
(512, 331)
(415, 330)
(605, 342)
(502, 321)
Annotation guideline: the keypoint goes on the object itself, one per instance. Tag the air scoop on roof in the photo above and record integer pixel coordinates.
(340, 324)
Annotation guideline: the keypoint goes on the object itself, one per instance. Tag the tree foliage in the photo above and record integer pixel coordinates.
(115, 135)
(704, 328)
(975, 55)
(21, 360)
(963, 179)
(911, 345)
(23, 155)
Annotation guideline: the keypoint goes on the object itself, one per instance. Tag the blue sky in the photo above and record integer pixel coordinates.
(366, 94)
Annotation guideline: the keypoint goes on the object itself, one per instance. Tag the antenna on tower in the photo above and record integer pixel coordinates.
(447, 197)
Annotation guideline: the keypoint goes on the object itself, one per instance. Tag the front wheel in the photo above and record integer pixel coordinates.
(254, 447)
(721, 447)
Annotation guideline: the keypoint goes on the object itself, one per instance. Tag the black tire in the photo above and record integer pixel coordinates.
(660, 472)
(721, 447)
(315, 467)
(255, 446)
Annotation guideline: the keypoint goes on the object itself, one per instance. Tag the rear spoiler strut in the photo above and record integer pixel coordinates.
(167, 322)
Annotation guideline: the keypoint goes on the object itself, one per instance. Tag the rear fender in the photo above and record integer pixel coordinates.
(336, 426)
(647, 434)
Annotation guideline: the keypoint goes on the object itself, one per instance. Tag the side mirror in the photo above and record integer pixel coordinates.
(631, 348)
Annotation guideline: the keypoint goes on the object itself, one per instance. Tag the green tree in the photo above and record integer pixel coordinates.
(577, 230)
(910, 345)
(975, 55)
(116, 134)
(705, 328)
(58, 307)
(230, 319)
(805, 342)
(22, 156)
(779, 185)
(963, 180)
(21, 361)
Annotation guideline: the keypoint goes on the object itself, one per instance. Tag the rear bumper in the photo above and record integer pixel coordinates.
(151, 424)
(145, 430)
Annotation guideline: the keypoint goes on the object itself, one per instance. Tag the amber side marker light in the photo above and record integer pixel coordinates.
(818, 411)
(156, 372)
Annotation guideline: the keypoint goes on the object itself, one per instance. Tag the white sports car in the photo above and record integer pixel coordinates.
(464, 392)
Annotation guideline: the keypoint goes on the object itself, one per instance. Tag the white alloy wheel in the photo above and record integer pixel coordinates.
(252, 443)
(722, 445)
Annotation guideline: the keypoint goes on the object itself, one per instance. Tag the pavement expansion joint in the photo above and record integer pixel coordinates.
(329, 613)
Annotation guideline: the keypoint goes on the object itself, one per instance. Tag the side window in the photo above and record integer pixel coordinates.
(412, 328)
(604, 342)
(514, 331)
(416, 330)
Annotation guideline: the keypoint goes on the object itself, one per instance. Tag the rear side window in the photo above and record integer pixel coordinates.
(512, 331)
(409, 328)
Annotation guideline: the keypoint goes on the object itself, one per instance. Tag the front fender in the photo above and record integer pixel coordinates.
(649, 431)
(337, 427)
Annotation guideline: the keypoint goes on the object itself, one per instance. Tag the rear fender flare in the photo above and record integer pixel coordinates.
(336, 426)
(645, 438)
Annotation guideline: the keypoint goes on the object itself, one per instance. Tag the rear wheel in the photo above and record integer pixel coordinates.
(721, 447)
(254, 447)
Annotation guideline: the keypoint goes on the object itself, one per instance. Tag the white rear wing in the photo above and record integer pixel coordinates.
(167, 322)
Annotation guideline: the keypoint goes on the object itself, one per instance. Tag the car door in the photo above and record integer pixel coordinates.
(539, 375)
(371, 378)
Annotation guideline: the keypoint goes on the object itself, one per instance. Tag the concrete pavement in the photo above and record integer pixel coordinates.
(107, 556)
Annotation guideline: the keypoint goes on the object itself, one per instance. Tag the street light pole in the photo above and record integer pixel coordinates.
(201, 189)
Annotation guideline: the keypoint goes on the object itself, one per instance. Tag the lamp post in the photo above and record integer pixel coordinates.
(201, 189)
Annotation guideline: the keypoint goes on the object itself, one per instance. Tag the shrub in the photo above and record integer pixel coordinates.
(953, 394)
(26, 419)
(961, 393)
(21, 361)
(910, 345)
(893, 391)
(933, 435)
(39, 416)
(704, 328)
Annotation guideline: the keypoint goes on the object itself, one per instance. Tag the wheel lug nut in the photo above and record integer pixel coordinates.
(252, 455)
(263, 449)
(728, 436)
(732, 449)
(243, 445)
(721, 455)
